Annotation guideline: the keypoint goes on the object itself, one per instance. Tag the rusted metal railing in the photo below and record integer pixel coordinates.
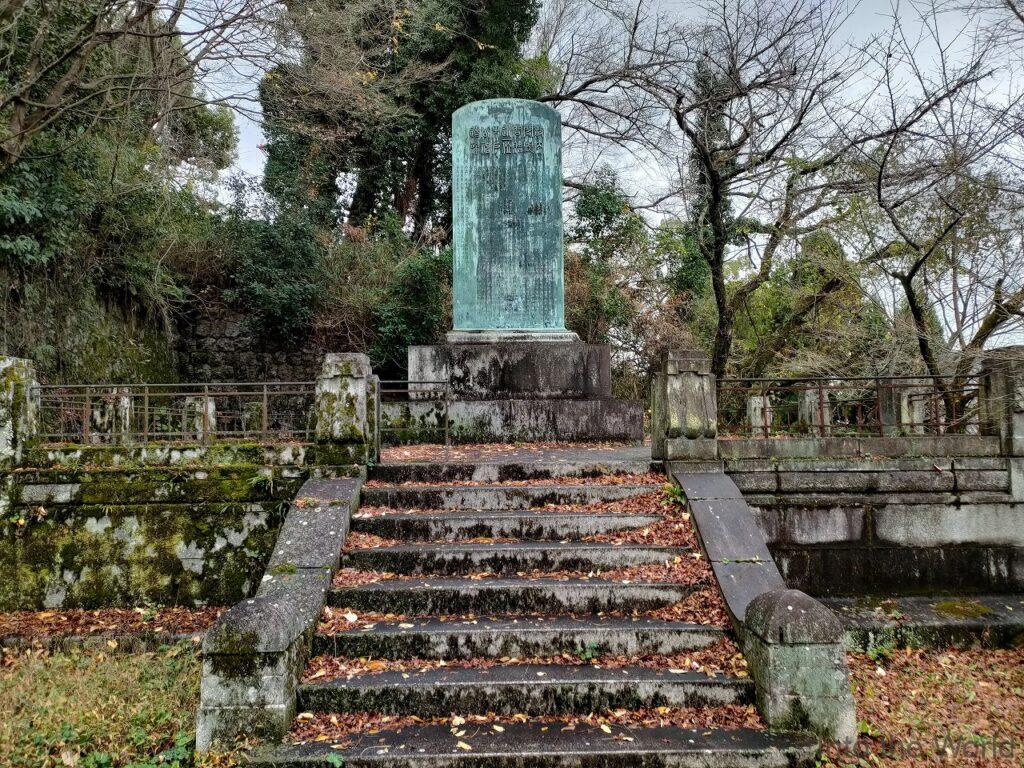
(834, 407)
(204, 412)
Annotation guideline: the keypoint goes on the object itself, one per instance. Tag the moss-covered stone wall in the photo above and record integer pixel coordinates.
(112, 526)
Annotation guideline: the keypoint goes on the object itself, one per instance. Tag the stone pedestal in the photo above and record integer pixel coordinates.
(510, 371)
(535, 370)
(528, 390)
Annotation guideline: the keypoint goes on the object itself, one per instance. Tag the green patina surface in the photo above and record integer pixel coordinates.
(507, 208)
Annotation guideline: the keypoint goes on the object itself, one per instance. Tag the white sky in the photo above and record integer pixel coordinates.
(869, 17)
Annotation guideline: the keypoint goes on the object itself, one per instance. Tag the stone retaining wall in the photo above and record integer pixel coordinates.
(215, 346)
(855, 526)
(119, 524)
(188, 534)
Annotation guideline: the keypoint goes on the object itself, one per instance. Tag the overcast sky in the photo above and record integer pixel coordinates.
(868, 18)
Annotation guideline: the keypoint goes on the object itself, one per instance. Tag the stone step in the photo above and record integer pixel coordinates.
(506, 596)
(530, 689)
(931, 621)
(507, 557)
(54, 488)
(533, 469)
(533, 745)
(527, 636)
(496, 496)
(539, 525)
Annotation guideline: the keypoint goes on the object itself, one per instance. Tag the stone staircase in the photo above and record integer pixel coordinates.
(500, 623)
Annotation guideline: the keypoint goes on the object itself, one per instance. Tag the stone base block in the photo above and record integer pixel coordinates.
(794, 650)
(475, 421)
(683, 448)
(519, 369)
(500, 336)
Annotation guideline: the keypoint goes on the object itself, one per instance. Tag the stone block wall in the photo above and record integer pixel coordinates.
(858, 526)
(89, 536)
(123, 524)
(214, 346)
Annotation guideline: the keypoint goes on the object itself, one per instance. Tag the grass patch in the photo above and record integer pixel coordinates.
(94, 710)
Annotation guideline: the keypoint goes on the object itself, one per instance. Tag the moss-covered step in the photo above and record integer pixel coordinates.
(535, 465)
(508, 557)
(519, 745)
(931, 621)
(507, 596)
(496, 496)
(169, 454)
(531, 689)
(138, 486)
(136, 555)
(452, 526)
(527, 636)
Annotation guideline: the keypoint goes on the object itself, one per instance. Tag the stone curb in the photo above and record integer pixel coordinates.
(793, 644)
(254, 654)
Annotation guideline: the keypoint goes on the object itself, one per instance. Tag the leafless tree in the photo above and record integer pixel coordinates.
(764, 109)
(944, 217)
(86, 62)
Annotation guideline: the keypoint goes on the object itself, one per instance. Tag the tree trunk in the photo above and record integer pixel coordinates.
(426, 190)
(364, 199)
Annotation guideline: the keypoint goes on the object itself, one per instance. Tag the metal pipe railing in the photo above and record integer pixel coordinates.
(101, 413)
(855, 405)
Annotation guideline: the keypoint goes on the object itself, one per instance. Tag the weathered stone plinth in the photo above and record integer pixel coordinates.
(683, 408)
(518, 391)
(531, 369)
(794, 648)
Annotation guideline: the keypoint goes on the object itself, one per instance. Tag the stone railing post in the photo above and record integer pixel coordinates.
(18, 410)
(814, 411)
(346, 410)
(1001, 398)
(111, 417)
(199, 419)
(903, 406)
(684, 410)
(1001, 406)
(760, 414)
(794, 649)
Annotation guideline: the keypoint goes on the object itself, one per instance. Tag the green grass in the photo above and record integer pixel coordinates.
(94, 710)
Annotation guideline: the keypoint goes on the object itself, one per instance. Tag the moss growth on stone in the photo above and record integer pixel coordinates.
(170, 535)
(962, 609)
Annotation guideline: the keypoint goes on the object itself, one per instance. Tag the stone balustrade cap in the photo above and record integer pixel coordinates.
(256, 625)
(1012, 355)
(687, 361)
(354, 364)
(791, 617)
